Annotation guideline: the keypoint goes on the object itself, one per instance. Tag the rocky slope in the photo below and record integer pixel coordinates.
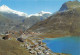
(28, 43)
(18, 20)
(66, 22)
(70, 5)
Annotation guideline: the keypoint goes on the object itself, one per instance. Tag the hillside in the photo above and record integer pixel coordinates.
(15, 20)
(61, 23)
(5, 23)
(12, 47)
(33, 19)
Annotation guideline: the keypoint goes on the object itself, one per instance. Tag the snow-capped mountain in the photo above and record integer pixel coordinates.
(5, 8)
(13, 14)
(16, 20)
(40, 14)
(34, 18)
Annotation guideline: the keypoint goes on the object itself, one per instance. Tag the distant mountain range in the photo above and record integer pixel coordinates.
(19, 20)
(5, 10)
(65, 21)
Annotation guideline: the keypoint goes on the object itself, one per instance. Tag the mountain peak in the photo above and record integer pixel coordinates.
(70, 5)
(4, 8)
(40, 14)
(43, 12)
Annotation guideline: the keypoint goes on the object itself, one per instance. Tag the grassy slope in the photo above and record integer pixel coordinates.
(62, 23)
(12, 47)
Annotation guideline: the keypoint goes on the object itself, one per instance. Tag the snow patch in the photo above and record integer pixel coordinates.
(5, 8)
(40, 13)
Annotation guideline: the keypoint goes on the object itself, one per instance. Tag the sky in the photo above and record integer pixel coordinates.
(34, 6)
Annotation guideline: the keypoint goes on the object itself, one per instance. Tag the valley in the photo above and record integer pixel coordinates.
(23, 34)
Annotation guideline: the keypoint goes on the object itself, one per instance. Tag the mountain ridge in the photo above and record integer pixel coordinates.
(69, 5)
(6, 9)
(63, 22)
(19, 20)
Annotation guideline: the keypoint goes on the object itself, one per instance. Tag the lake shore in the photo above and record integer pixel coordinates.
(67, 44)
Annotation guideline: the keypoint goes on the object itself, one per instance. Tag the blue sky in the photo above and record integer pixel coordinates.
(34, 6)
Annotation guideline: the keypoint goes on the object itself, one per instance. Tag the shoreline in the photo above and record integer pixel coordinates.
(33, 43)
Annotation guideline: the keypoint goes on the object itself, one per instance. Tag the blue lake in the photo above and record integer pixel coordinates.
(68, 44)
